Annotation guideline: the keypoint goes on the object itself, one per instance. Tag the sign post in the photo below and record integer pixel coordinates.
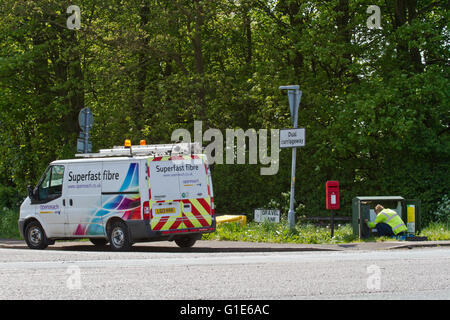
(86, 121)
(294, 95)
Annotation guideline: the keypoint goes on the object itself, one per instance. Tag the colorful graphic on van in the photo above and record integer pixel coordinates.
(126, 204)
(131, 182)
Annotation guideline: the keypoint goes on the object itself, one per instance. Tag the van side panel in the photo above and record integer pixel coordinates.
(121, 195)
(112, 192)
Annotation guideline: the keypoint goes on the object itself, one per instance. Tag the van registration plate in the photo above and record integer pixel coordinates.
(165, 211)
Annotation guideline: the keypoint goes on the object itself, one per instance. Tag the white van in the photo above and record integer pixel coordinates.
(122, 196)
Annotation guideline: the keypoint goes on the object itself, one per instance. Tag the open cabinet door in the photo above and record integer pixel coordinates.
(413, 216)
(365, 214)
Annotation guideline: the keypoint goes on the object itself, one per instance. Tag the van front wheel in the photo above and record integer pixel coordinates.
(35, 236)
(119, 237)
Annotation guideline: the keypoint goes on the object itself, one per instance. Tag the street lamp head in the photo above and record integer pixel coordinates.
(292, 87)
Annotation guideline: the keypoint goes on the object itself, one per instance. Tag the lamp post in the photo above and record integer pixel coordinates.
(294, 95)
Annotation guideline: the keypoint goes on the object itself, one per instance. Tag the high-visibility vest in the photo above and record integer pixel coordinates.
(391, 218)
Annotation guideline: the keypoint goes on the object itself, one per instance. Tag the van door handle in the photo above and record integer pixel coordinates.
(71, 202)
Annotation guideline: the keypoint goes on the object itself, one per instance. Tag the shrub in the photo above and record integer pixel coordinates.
(8, 224)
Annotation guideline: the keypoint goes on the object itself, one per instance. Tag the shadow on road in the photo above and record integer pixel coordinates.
(252, 247)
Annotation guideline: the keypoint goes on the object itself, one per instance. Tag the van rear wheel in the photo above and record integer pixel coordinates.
(35, 236)
(119, 237)
(185, 242)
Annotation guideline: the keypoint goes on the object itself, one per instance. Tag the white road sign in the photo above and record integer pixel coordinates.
(272, 215)
(292, 138)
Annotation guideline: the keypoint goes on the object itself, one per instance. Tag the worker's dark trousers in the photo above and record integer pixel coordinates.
(383, 229)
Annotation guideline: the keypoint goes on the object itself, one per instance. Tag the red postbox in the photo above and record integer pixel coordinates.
(332, 193)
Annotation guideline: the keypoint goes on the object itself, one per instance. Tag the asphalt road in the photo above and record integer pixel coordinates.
(80, 272)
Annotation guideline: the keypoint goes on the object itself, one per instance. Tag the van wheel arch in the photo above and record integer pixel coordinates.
(110, 222)
(31, 219)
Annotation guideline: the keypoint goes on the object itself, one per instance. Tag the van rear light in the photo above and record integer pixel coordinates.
(146, 210)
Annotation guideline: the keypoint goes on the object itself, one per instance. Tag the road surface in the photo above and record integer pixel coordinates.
(80, 272)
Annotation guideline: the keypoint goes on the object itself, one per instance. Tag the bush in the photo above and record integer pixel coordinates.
(283, 203)
(8, 224)
(442, 213)
(9, 197)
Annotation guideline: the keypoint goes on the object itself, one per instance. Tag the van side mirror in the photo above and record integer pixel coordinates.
(30, 192)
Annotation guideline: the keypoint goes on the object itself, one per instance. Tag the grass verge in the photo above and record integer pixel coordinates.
(436, 231)
(261, 232)
(281, 233)
(306, 233)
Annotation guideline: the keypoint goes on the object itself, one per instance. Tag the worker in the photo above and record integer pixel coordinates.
(387, 222)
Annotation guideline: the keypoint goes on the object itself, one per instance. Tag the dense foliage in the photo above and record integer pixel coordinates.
(375, 101)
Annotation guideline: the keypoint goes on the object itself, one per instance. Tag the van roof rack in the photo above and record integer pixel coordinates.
(156, 150)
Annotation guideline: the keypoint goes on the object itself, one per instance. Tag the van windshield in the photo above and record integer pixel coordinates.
(51, 186)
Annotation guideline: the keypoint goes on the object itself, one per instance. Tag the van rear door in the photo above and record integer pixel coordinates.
(180, 194)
